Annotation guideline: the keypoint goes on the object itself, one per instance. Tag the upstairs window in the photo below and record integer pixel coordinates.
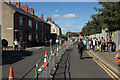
(36, 25)
(54, 30)
(21, 20)
(30, 23)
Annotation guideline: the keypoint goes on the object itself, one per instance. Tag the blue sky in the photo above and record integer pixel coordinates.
(70, 16)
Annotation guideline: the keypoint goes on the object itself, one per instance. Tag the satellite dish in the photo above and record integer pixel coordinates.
(4, 43)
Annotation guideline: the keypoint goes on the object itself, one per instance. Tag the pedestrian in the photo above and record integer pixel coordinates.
(103, 45)
(110, 44)
(50, 42)
(57, 41)
(99, 44)
(80, 48)
(85, 44)
(16, 44)
(94, 43)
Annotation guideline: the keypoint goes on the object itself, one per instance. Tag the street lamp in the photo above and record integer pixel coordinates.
(42, 32)
(106, 30)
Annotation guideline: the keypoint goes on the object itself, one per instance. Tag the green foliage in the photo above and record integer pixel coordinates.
(72, 34)
(108, 16)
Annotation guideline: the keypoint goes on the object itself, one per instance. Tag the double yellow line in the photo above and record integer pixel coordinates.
(107, 70)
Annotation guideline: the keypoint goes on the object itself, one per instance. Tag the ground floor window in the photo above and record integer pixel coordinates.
(30, 37)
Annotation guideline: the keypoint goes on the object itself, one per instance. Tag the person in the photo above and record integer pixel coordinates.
(50, 42)
(99, 44)
(57, 42)
(103, 45)
(93, 44)
(110, 44)
(85, 44)
(16, 44)
(80, 48)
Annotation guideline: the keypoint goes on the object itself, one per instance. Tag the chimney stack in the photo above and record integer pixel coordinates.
(42, 17)
(25, 8)
(31, 11)
(17, 4)
(49, 19)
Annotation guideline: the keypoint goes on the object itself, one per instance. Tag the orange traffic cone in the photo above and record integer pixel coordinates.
(11, 74)
(45, 59)
(57, 50)
(50, 56)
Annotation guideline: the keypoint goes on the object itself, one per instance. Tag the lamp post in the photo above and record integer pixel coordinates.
(106, 30)
(42, 32)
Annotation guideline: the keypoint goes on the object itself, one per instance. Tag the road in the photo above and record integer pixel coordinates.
(22, 61)
(72, 67)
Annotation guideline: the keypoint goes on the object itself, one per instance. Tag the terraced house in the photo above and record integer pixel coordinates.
(19, 22)
(55, 29)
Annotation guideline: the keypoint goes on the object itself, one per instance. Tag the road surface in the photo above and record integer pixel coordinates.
(72, 67)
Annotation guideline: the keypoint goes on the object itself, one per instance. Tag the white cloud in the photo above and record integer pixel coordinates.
(56, 16)
(66, 16)
(56, 11)
(70, 16)
(68, 26)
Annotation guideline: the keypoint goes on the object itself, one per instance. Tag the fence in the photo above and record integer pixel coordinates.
(115, 35)
(42, 71)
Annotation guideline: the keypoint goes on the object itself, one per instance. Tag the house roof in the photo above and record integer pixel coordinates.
(54, 24)
(24, 12)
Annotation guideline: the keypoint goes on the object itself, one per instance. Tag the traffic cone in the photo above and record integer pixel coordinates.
(57, 50)
(45, 59)
(116, 60)
(50, 56)
(11, 74)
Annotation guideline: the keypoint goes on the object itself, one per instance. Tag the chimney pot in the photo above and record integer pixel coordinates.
(42, 17)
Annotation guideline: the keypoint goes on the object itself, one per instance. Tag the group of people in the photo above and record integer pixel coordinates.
(101, 45)
(18, 45)
(96, 44)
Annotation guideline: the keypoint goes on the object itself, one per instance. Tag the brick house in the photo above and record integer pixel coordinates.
(19, 22)
(55, 29)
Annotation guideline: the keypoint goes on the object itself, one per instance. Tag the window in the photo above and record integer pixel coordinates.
(21, 20)
(30, 37)
(30, 23)
(36, 25)
(36, 36)
(54, 30)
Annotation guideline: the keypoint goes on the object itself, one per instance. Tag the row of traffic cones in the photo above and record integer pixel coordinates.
(44, 65)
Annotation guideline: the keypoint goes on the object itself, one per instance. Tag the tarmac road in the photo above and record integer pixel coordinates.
(72, 67)
(22, 61)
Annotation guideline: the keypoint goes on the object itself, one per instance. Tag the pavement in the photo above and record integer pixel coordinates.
(108, 59)
(72, 67)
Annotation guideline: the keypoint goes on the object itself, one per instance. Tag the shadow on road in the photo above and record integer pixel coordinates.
(63, 68)
(10, 57)
(87, 57)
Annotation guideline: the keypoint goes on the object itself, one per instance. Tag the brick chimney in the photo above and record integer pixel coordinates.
(42, 17)
(17, 4)
(31, 11)
(25, 8)
(49, 19)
